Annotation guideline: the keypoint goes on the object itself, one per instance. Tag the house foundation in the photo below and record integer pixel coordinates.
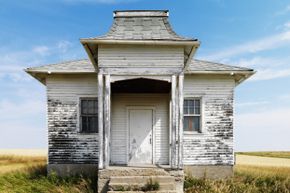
(209, 171)
(73, 169)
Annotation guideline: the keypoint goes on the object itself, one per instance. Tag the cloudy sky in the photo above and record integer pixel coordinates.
(254, 34)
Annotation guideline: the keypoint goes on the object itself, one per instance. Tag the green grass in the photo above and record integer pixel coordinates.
(275, 154)
(247, 179)
(32, 178)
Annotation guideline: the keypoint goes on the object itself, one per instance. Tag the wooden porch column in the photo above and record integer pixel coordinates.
(107, 120)
(173, 122)
(180, 133)
(100, 119)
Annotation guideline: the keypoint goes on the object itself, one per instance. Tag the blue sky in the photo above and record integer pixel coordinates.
(254, 34)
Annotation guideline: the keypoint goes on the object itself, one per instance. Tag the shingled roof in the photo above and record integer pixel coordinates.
(73, 66)
(141, 25)
(85, 66)
(203, 66)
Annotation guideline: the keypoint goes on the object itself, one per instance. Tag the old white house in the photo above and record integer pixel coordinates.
(140, 101)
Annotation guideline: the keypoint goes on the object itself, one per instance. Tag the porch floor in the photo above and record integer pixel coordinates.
(141, 166)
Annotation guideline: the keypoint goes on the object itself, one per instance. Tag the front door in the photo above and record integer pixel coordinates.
(140, 136)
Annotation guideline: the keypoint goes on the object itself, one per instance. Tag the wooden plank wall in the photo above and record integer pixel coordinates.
(140, 56)
(214, 146)
(66, 144)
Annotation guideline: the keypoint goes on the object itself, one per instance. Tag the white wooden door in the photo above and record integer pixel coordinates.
(140, 136)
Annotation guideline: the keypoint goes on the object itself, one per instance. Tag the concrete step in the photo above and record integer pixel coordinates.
(132, 171)
(141, 179)
(164, 191)
(138, 186)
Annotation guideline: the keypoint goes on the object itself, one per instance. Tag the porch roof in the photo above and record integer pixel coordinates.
(85, 66)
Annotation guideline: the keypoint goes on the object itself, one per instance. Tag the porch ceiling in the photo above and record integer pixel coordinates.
(141, 85)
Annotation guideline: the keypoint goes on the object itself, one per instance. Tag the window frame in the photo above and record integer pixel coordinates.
(79, 123)
(200, 115)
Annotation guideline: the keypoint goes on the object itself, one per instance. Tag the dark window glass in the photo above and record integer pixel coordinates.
(89, 115)
(192, 109)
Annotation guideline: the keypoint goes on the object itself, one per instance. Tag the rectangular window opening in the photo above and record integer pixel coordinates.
(89, 115)
(192, 115)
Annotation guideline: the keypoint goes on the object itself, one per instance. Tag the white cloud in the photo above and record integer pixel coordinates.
(42, 50)
(285, 97)
(258, 61)
(250, 104)
(267, 130)
(269, 74)
(13, 62)
(287, 25)
(267, 43)
(19, 109)
(267, 68)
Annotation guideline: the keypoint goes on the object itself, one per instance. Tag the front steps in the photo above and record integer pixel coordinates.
(139, 182)
(132, 179)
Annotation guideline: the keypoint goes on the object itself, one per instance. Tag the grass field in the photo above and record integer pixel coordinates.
(247, 179)
(275, 154)
(27, 174)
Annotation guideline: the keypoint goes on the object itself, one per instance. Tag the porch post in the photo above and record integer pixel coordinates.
(173, 123)
(107, 120)
(180, 133)
(100, 119)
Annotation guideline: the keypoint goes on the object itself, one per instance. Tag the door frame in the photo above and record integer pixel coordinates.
(128, 132)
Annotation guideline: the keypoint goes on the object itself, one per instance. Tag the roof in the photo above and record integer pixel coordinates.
(73, 66)
(85, 66)
(141, 25)
(202, 65)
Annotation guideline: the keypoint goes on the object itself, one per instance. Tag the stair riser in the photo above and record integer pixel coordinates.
(125, 186)
(142, 179)
(132, 172)
(165, 191)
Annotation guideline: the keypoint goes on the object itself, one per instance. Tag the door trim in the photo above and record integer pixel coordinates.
(153, 128)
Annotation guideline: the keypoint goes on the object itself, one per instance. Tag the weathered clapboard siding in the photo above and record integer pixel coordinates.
(119, 140)
(66, 144)
(214, 146)
(140, 56)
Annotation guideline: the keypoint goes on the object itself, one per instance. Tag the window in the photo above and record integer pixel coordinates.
(89, 115)
(192, 115)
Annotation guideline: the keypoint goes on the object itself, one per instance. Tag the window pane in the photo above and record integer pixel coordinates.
(197, 110)
(94, 124)
(196, 123)
(84, 124)
(95, 106)
(185, 124)
(83, 106)
(191, 110)
(185, 110)
(191, 123)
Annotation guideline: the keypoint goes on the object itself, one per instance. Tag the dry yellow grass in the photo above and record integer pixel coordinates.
(262, 161)
(276, 154)
(23, 152)
(263, 170)
(13, 160)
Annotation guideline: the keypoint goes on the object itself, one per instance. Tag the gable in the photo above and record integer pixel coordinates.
(131, 56)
